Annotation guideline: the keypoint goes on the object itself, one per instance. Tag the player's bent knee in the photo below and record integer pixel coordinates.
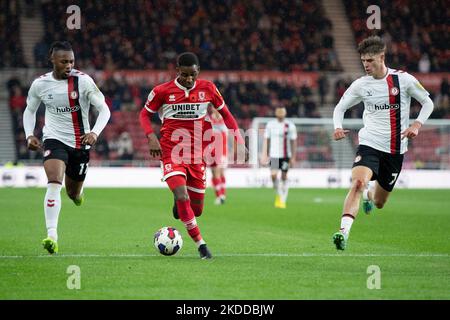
(358, 185)
(180, 195)
(379, 203)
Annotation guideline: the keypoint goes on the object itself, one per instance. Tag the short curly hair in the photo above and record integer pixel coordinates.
(371, 45)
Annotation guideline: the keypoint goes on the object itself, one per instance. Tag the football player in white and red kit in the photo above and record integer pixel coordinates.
(218, 154)
(280, 146)
(386, 94)
(67, 136)
(182, 106)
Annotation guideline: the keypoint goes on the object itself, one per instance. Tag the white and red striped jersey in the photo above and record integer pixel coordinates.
(280, 134)
(67, 103)
(183, 110)
(386, 108)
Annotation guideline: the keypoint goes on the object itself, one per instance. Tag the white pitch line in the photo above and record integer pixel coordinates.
(362, 255)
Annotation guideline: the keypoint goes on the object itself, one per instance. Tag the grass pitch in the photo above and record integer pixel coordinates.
(259, 252)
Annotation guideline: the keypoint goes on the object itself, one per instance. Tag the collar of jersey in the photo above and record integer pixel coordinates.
(186, 90)
(389, 70)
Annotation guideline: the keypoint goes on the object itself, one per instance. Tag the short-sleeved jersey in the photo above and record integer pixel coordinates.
(280, 135)
(386, 108)
(182, 112)
(66, 104)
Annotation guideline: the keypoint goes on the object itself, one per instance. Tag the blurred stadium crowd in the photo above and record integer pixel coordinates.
(227, 35)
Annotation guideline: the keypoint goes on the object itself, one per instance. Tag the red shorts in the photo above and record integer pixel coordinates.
(195, 174)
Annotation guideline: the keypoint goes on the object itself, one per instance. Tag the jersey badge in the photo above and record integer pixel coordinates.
(394, 91)
(74, 95)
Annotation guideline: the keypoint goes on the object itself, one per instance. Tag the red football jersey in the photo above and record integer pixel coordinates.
(182, 112)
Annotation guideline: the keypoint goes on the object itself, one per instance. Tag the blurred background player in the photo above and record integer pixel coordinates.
(386, 94)
(219, 154)
(182, 106)
(280, 138)
(67, 95)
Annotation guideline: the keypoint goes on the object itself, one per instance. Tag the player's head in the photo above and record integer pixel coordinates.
(280, 113)
(372, 51)
(62, 58)
(188, 69)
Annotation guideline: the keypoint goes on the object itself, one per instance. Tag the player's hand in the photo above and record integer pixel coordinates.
(33, 143)
(89, 138)
(241, 153)
(340, 133)
(291, 162)
(154, 146)
(264, 160)
(412, 131)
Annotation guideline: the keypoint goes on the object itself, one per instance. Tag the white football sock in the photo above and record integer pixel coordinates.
(276, 184)
(368, 192)
(365, 194)
(52, 206)
(284, 190)
(346, 225)
(200, 242)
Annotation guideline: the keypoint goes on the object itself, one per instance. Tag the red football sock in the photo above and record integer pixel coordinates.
(188, 218)
(216, 185)
(224, 189)
(196, 199)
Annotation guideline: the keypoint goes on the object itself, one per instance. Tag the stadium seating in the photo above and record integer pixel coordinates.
(227, 35)
(11, 52)
(416, 32)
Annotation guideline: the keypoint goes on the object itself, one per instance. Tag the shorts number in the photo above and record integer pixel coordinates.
(83, 168)
(395, 176)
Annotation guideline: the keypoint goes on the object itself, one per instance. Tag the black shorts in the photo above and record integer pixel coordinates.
(386, 167)
(76, 160)
(279, 164)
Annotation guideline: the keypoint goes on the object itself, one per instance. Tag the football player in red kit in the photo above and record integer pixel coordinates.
(182, 106)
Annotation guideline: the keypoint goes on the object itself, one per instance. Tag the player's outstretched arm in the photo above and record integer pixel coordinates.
(231, 123)
(29, 118)
(340, 133)
(413, 131)
(33, 143)
(294, 153)
(97, 99)
(153, 143)
(264, 158)
(154, 146)
(350, 98)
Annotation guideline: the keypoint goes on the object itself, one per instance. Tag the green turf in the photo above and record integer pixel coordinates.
(260, 252)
